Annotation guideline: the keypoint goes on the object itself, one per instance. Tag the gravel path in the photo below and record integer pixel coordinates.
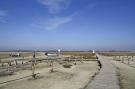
(107, 77)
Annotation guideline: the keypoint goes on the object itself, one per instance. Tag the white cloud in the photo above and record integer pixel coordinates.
(52, 23)
(56, 22)
(55, 6)
(3, 14)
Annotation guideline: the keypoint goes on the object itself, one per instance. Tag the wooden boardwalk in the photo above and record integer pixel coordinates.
(107, 77)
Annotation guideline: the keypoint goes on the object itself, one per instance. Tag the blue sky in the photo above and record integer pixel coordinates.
(67, 24)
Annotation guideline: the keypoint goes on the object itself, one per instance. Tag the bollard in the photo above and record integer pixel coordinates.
(16, 62)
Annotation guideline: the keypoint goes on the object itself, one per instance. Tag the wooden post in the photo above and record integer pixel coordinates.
(69, 59)
(50, 63)
(22, 61)
(132, 58)
(33, 70)
(2, 64)
(81, 59)
(10, 64)
(113, 57)
(128, 61)
(16, 62)
(52, 66)
(8, 69)
(34, 55)
(122, 59)
(75, 61)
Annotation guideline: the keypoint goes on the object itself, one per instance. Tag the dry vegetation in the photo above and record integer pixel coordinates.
(4, 55)
(65, 75)
(86, 55)
(23, 54)
(62, 78)
(117, 53)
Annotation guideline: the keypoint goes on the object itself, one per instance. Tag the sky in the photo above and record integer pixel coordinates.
(67, 24)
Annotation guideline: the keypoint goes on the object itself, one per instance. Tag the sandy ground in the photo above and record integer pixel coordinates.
(130, 63)
(62, 78)
(127, 75)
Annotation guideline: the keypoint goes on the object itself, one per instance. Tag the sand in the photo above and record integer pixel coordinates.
(127, 75)
(62, 78)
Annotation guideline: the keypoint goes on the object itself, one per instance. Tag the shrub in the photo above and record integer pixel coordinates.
(67, 66)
